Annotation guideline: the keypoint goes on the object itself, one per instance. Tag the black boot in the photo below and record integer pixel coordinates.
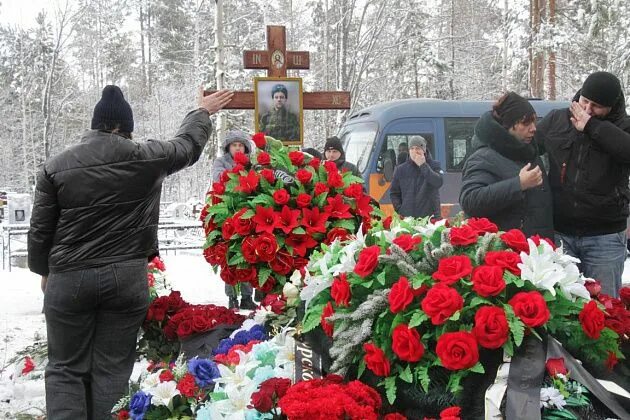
(233, 303)
(247, 303)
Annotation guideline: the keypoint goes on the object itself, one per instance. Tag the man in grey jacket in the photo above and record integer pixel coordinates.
(93, 226)
(235, 141)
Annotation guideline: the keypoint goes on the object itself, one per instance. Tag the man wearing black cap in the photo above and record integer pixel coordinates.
(589, 155)
(503, 179)
(93, 226)
(280, 123)
(333, 151)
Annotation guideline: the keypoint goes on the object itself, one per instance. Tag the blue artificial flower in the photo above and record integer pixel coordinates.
(224, 346)
(257, 332)
(205, 371)
(139, 405)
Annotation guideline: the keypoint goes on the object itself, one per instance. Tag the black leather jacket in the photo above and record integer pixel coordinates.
(98, 202)
(588, 170)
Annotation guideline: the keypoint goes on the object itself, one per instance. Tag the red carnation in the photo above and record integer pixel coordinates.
(406, 343)
(187, 385)
(531, 308)
(375, 360)
(259, 140)
(441, 302)
(452, 269)
(592, 319)
(297, 158)
(368, 260)
(463, 236)
(166, 375)
(451, 413)
(491, 327)
(457, 350)
(340, 290)
(516, 240)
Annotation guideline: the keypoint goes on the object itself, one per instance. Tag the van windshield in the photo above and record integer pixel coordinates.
(358, 142)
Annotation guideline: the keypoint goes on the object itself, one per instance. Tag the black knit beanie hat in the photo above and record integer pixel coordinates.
(514, 109)
(333, 143)
(602, 87)
(112, 111)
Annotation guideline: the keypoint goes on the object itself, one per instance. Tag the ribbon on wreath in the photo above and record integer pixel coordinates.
(308, 362)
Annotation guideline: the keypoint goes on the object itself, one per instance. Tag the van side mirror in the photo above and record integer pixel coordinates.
(388, 169)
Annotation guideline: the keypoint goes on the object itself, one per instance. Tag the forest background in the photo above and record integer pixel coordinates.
(52, 69)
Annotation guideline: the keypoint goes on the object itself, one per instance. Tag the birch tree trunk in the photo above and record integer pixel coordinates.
(219, 69)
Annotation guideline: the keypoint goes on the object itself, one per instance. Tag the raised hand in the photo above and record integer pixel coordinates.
(579, 117)
(216, 101)
(530, 177)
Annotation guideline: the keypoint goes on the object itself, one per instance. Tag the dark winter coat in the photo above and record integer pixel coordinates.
(344, 166)
(491, 186)
(415, 190)
(98, 202)
(588, 170)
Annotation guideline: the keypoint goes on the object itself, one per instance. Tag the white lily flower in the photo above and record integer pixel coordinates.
(572, 284)
(236, 378)
(261, 314)
(235, 406)
(290, 292)
(429, 229)
(151, 381)
(163, 393)
(540, 269)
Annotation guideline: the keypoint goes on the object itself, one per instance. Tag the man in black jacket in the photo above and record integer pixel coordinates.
(415, 189)
(93, 225)
(589, 155)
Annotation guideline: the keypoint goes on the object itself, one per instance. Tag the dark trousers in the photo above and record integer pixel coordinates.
(246, 290)
(92, 318)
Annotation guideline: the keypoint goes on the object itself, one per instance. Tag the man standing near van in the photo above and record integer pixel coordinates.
(589, 156)
(416, 183)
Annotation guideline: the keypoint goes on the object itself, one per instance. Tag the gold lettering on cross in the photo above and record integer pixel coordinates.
(257, 59)
(297, 60)
(336, 100)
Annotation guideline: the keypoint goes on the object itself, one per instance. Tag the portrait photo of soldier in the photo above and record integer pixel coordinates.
(279, 108)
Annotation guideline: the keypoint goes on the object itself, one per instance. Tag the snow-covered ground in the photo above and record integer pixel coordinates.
(22, 323)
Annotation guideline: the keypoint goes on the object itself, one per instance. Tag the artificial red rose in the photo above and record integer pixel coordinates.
(29, 365)
(288, 219)
(394, 416)
(336, 233)
(337, 208)
(452, 269)
(491, 327)
(187, 385)
(266, 247)
(228, 230)
(263, 158)
(531, 308)
(487, 280)
(611, 361)
(225, 176)
(150, 279)
(236, 169)
(265, 219)
(457, 350)
(354, 191)
(248, 249)
(218, 188)
(200, 323)
(482, 225)
(241, 159)
(246, 275)
(375, 360)
(451, 413)
(304, 176)
(248, 183)
(592, 319)
(228, 275)
(334, 180)
(340, 290)
(184, 329)
(299, 263)
(158, 263)
(166, 375)
(368, 260)
(320, 188)
(123, 415)
(262, 401)
(268, 175)
(330, 166)
(282, 264)
(303, 200)
(556, 366)
(464, 235)
(594, 287)
(387, 222)
(314, 163)
(624, 295)
(242, 226)
(406, 343)
(297, 158)
(407, 242)
(326, 325)
(259, 140)
(507, 260)
(400, 295)
(516, 240)
(441, 302)
(281, 197)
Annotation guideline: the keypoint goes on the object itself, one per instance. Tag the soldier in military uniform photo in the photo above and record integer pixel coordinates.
(279, 122)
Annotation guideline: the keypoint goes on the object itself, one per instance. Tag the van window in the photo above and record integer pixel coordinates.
(392, 146)
(358, 144)
(459, 133)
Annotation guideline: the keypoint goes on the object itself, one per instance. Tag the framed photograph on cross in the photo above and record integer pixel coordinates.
(279, 108)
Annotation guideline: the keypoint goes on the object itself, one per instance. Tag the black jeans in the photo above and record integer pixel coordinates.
(92, 318)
